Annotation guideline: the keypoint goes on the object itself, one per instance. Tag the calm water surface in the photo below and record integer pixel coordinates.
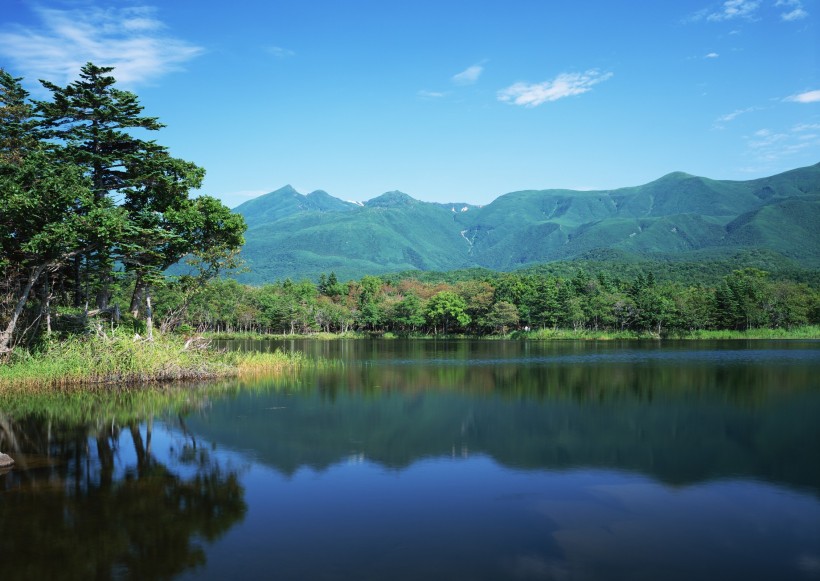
(434, 460)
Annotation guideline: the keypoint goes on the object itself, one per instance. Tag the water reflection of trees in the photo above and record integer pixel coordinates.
(678, 424)
(89, 501)
(748, 385)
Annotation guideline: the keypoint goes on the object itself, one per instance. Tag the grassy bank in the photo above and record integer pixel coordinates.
(122, 359)
(805, 332)
(252, 335)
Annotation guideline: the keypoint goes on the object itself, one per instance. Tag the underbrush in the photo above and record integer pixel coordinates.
(806, 332)
(120, 358)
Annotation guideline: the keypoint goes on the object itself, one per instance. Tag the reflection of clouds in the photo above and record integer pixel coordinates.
(809, 563)
(580, 514)
(537, 567)
(639, 528)
(356, 458)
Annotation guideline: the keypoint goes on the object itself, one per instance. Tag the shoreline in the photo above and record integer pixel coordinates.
(124, 361)
(121, 360)
(806, 332)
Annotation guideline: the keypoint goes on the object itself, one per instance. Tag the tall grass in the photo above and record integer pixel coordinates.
(806, 332)
(563, 334)
(252, 335)
(122, 359)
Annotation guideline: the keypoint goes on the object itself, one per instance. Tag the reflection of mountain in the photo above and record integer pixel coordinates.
(679, 424)
(85, 503)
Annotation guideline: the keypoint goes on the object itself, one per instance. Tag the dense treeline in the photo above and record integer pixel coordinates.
(493, 304)
(87, 204)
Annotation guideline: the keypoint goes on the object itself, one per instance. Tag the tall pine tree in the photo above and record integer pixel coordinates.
(91, 122)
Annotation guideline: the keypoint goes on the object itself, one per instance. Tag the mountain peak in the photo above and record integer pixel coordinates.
(392, 199)
(286, 189)
(675, 175)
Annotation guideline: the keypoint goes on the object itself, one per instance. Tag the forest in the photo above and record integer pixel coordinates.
(492, 304)
(87, 204)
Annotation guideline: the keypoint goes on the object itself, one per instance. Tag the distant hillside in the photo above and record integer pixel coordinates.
(300, 236)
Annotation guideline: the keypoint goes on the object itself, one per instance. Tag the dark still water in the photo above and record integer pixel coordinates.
(433, 460)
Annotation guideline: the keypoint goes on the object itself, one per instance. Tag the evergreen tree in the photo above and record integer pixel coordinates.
(43, 223)
(90, 121)
(151, 222)
(501, 317)
(44, 208)
(739, 299)
(19, 132)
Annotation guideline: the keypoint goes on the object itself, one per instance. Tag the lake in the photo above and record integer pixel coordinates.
(433, 459)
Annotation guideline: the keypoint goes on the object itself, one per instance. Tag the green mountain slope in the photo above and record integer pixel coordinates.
(390, 233)
(286, 202)
(297, 236)
(791, 227)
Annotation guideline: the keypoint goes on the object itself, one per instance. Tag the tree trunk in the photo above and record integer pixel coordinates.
(6, 335)
(46, 306)
(136, 297)
(104, 292)
(139, 449)
(149, 315)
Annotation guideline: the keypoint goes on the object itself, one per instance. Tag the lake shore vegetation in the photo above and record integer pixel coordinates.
(748, 303)
(126, 359)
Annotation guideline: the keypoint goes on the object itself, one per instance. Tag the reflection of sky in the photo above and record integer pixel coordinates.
(179, 449)
(472, 518)
(431, 482)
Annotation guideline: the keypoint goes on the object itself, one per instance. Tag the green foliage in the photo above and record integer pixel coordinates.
(18, 129)
(81, 198)
(508, 302)
(447, 311)
(501, 317)
(408, 313)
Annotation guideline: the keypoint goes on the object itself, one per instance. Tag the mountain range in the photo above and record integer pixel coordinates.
(291, 235)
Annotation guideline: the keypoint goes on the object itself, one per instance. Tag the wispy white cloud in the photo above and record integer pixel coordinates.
(807, 97)
(796, 14)
(132, 39)
(739, 10)
(734, 114)
(696, 16)
(734, 9)
(279, 52)
(468, 76)
(431, 94)
(767, 145)
(564, 85)
(795, 10)
(711, 55)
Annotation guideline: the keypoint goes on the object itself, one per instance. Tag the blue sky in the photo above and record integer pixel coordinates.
(447, 100)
